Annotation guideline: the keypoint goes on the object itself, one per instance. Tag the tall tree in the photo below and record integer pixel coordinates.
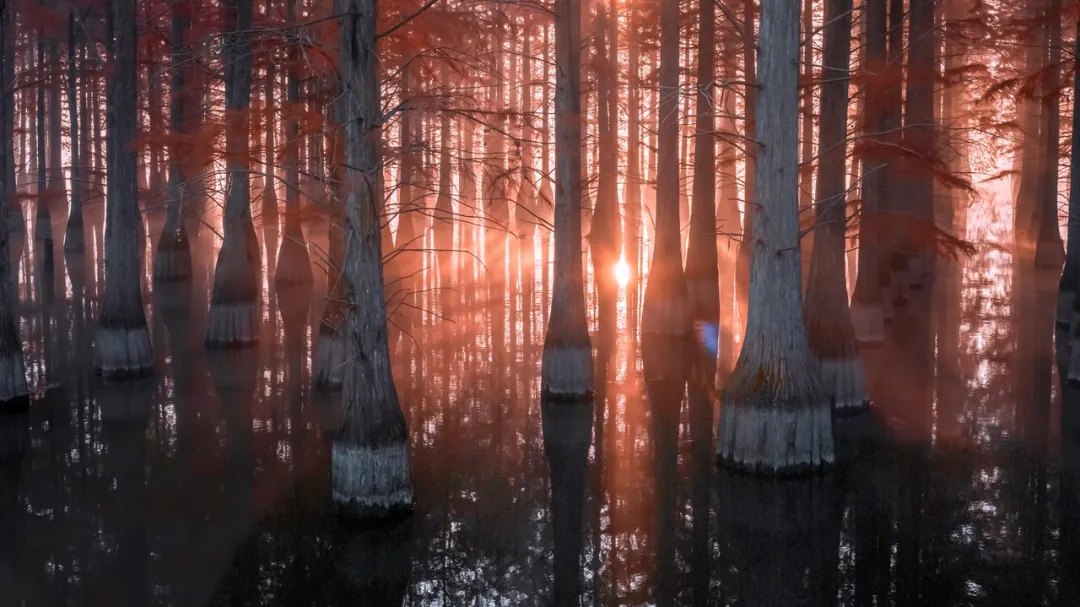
(866, 305)
(702, 271)
(370, 465)
(123, 341)
(234, 316)
(665, 309)
(74, 240)
(567, 363)
(12, 367)
(172, 261)
(775, 417)
(605, 236)
(1070, 276)
(828, 319)
(750, 204)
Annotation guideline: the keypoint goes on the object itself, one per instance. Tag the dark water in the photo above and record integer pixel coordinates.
(209, 483)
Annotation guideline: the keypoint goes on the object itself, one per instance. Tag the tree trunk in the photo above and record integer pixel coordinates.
(172, 262)
(74, 240)
(123, 341)
(57, 189)
(12, 368)
(234, 313)
(750, 203)
(371, 473)
(665, 309)
(605, 236)
(727, 208)
(775, 417)
(828, 320)
(1070, 276)
(270, 201)
(443, 219)
(43, 222)
(567, 370)
(702, 272)
(294, 263)
(866, 305)
(632, 189)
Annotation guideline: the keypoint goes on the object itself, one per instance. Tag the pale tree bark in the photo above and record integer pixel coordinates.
(866, 305)
(665, 309)
(172, 261)
(123, 341)
(74, 239)
(294, 263)
(775, 417)
(828, 320)
(370, 466)
(234, 314)
(702, 272)
(12, 368)
(567, 370)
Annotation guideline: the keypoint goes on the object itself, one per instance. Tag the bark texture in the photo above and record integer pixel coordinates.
(371, 473)
(665, 309)
(775, 418)
(567, 362)
(828, 319)
(234, 316)
(123, 341)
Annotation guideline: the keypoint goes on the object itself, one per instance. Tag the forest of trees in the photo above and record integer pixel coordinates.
(781, 174)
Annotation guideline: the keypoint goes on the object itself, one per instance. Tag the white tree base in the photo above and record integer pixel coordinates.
(371, 482)
(845, 382)
(775, 438)
(868, 321)
(567, 372)
(12, 376)
(123, 352)
(1064, 310)
(232, 325)
(329, 367)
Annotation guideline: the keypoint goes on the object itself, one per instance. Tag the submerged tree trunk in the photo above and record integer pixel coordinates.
(12, 368)
(371, 473)
(702, 272)
(234, 315)
(828, 320)
(866, 305)
(567, 365)
(775, 418)
(293, 263)
(123, 341)
(172, 262)
(665, 309)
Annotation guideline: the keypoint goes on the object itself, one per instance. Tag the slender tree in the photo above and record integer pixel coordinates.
(12, 368)
(702, 271)
(294, 263)
(665, 309)
(775, 417)
(567, 364)
(1070, 276)
(750, 202)
(370, 466)
(234, 317)
(172, 261)
(605, 236)
(828, 320)
(866, 305)
(74, 240)
(123, 341)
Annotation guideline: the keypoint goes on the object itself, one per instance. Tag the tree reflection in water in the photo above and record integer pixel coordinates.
(209, 483)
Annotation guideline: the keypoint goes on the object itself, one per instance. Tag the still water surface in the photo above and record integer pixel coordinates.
(209, 483)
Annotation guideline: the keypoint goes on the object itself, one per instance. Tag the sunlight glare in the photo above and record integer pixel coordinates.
(622, 272)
